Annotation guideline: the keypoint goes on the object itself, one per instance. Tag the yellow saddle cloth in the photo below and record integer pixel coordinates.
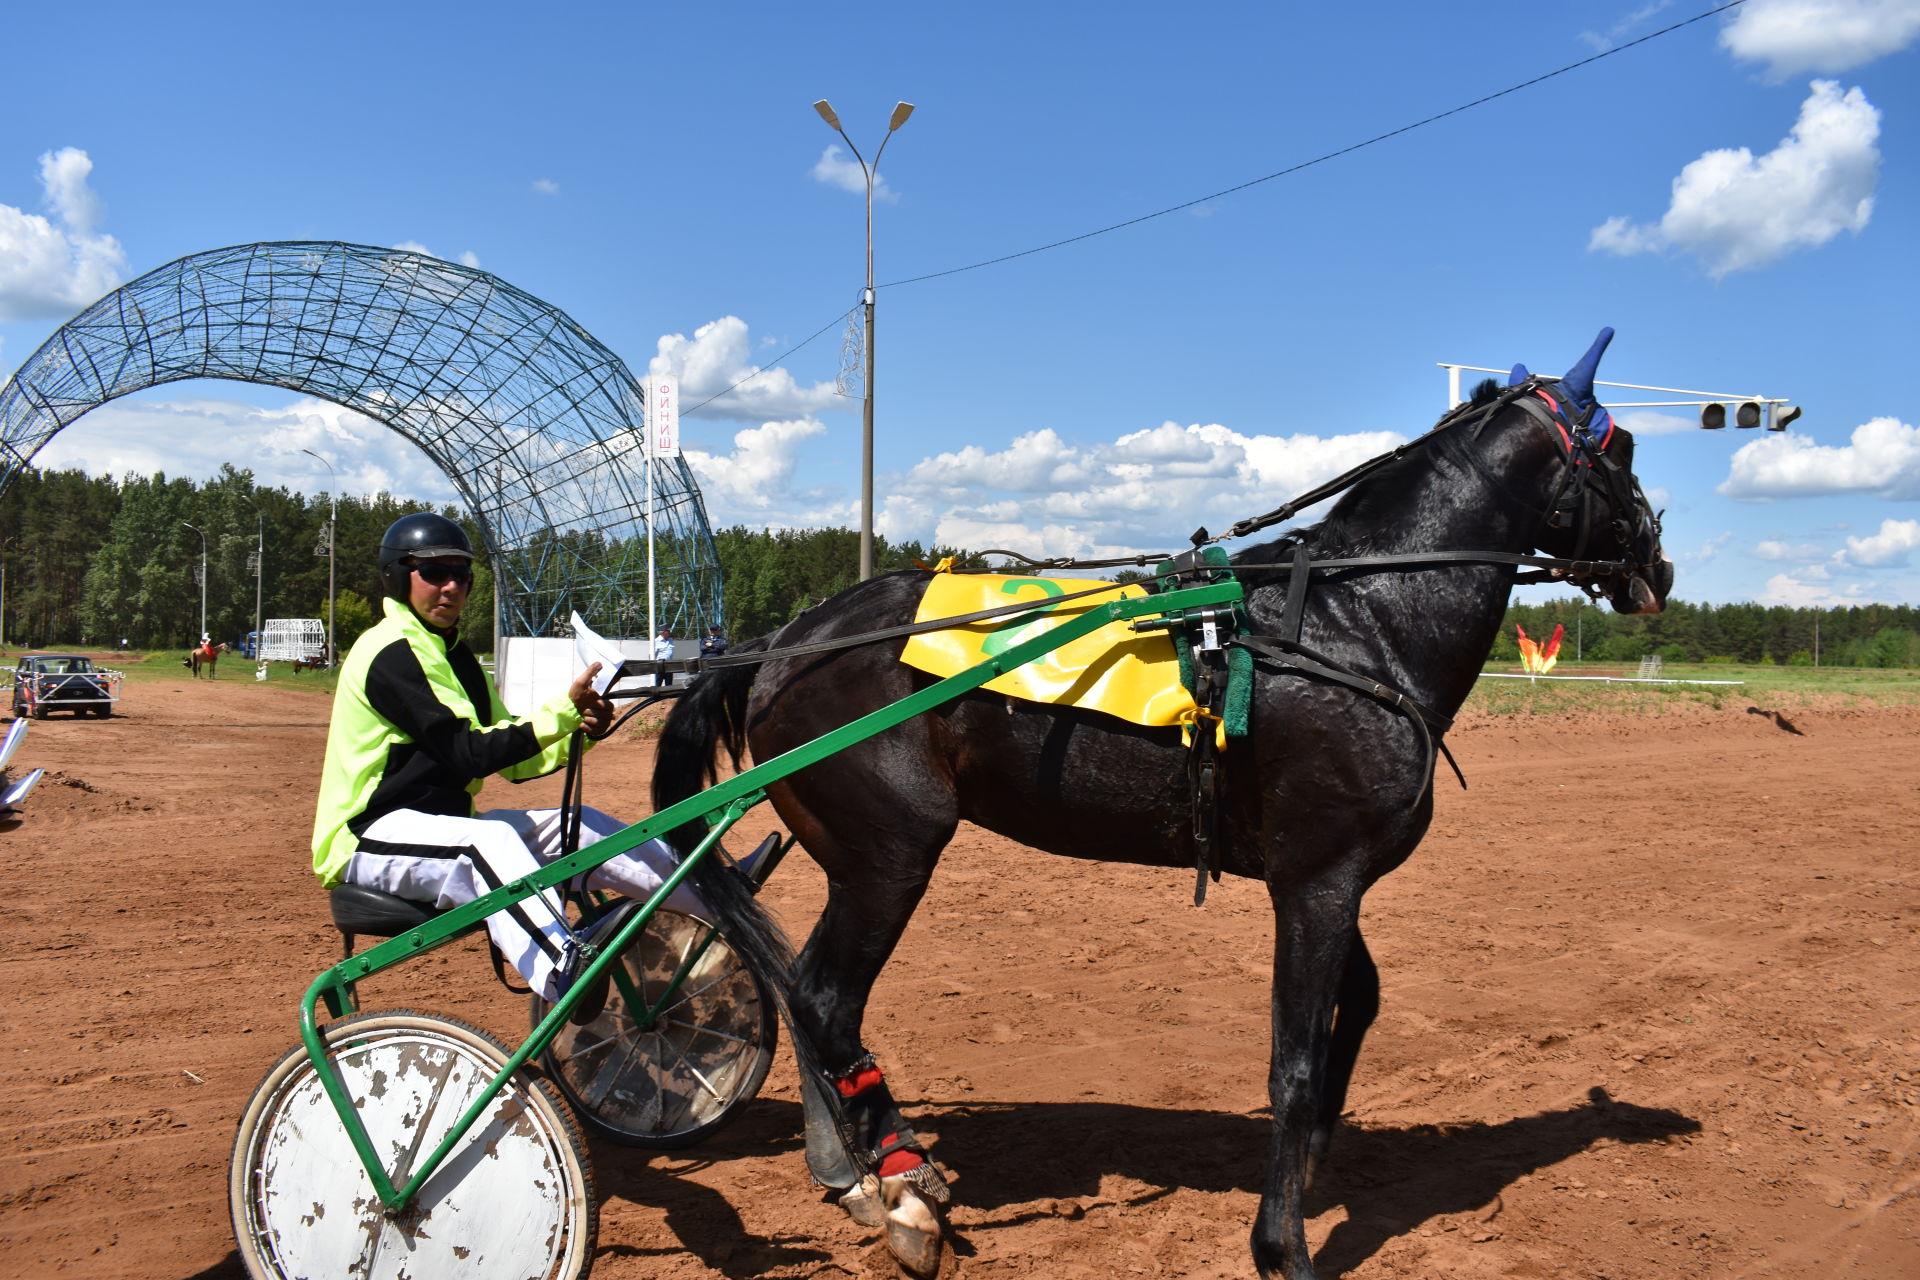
(1133, 675)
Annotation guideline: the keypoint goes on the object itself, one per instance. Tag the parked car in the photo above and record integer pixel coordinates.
(47, 682)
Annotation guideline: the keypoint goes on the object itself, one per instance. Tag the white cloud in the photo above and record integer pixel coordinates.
(753, 483)
(1805, 592)
(1737, 212)
(51, 267)
(467, 259)
(1885, 549)
(546, 186)
(194, 437)
(1624, 27)
(838, 169)
(715, 358)
(1141, 492)
(1652, 422)
(1829, 36)
(1882, 459)
(1775, 549)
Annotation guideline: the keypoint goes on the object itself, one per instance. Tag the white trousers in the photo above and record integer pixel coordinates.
(494, 848)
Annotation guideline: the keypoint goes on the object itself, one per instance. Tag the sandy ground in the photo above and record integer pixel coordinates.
(1652, 1009)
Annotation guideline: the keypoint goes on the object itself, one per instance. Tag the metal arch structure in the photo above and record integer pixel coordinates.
(540, 428)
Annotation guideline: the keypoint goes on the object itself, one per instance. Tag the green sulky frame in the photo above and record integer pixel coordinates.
(720, 806)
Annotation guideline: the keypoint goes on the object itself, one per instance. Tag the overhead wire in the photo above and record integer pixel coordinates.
(1254, 182)
(1322, 159)
(772, 364)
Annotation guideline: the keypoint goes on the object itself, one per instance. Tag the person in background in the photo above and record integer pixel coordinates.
(714, 644)
(663, 652)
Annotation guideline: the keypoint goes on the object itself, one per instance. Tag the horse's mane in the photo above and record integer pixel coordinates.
(1347, 529)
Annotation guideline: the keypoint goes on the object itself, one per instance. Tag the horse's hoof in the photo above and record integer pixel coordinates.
(914, 1235)
(862, 1202)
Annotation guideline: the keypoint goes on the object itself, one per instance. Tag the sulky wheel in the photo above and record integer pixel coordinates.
(513, 1198)
(669, 1073)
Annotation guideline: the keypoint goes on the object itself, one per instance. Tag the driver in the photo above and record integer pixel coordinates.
(417, 727)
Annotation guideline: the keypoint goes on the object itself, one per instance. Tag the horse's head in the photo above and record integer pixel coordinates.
(1598, 511)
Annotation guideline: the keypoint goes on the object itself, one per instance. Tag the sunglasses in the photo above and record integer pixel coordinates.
(439, 575)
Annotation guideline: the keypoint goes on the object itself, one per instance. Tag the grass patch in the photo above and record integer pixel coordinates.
(165, 666)
(1775, 688)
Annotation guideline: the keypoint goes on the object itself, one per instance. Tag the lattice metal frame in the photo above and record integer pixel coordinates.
(540, 428)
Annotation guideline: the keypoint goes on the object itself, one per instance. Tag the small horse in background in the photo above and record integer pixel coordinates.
(309, 664)
(206, 655)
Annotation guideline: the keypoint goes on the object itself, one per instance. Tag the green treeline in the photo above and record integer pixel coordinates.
(772, 575)
(95, 561)
(1873, 635)
(92, 561)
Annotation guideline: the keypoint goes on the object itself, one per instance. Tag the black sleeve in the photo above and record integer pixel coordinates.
(398, 690)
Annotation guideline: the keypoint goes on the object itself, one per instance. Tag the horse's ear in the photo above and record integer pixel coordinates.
(1578, 384)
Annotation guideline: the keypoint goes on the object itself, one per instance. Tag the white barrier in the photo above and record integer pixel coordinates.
(531, 671)
(292, 640)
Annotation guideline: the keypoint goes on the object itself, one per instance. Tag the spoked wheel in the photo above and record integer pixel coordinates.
(514, 1198)
(672, 1071)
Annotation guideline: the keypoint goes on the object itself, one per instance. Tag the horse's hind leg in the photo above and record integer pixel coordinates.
(1358, 1005)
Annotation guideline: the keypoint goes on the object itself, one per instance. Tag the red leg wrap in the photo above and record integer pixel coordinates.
(895, 1159)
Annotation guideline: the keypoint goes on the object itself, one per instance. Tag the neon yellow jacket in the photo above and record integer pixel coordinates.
(406, 733)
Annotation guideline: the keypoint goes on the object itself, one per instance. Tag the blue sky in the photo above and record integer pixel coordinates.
(1737, 198)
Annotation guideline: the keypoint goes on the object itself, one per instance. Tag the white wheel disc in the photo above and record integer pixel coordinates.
(512, 1200)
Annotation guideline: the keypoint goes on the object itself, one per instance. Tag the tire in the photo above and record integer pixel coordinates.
(677, 1081)
(515, 1198)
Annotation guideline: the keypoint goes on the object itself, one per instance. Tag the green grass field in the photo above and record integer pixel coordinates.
(1775, 688)
(156, 666)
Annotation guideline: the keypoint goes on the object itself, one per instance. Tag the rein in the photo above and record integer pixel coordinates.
(1582, 573)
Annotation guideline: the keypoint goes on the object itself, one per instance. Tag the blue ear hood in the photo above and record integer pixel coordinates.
(1577, 386)
(1518, 376)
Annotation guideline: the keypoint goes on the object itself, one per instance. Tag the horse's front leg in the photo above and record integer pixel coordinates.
(1314, 924)
(1358, 1004)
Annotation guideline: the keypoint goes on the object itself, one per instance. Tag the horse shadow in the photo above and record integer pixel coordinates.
(1025, 1155)
(1389, 1179)
(702, 1221)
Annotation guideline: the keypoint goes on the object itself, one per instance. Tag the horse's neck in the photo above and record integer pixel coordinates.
(1431, 629)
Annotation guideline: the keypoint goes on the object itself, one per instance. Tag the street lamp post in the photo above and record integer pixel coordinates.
(203, 574)
(259, 571)
(901, 111)
(333, 518)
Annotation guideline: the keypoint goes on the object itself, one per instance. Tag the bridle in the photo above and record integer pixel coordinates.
(1589, 472)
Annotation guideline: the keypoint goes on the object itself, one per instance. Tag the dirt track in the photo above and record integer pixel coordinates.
(1652, 1009)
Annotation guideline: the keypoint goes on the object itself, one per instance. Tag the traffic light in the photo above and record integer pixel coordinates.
(1746, 413)
(1779, 415)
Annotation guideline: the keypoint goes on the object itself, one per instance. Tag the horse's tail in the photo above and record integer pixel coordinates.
(712, 713)
(708, 715)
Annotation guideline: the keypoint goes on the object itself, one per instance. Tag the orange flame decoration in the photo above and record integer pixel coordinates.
(1535, 658)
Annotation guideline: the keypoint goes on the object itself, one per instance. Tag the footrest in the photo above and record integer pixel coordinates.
(374, 913)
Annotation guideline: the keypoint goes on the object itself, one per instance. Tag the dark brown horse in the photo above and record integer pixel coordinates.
(1331, 790)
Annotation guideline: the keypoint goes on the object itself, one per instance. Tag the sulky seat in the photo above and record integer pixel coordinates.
(358, 910)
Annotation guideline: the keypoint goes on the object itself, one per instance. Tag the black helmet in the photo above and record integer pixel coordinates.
(417, 537)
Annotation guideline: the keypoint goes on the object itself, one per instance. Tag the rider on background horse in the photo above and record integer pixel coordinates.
(417, 727)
